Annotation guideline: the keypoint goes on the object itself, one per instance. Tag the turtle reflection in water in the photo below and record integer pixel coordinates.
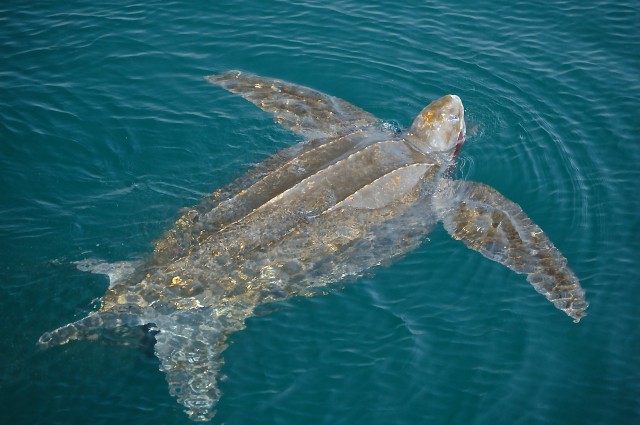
(354, 195)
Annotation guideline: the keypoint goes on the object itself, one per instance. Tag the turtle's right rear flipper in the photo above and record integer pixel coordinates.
(189, 348)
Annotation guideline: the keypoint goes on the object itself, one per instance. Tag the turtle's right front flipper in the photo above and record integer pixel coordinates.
(496, 227)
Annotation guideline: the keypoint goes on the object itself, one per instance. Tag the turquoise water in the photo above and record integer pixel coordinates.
(107, 130)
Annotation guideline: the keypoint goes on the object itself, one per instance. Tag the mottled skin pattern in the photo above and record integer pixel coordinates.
(353, 196)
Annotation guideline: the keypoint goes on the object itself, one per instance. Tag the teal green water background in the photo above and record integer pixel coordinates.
(107, 130)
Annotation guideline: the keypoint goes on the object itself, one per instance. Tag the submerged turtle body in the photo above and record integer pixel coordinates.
(353, 196)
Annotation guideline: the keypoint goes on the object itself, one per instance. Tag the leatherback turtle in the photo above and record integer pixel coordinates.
(352, 196)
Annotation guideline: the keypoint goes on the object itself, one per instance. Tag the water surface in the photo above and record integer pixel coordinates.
(107, 130)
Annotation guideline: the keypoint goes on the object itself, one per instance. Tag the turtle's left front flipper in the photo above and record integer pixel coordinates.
(496, 227)
(300, 109)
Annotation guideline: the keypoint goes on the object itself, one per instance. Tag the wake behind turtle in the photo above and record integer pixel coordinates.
(354, 195)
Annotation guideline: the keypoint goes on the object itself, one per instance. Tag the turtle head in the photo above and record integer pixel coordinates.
(440, 127)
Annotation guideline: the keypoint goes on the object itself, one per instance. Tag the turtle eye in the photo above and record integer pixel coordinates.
(454, 118)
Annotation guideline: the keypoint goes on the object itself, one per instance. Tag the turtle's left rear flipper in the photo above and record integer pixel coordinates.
(496, 227)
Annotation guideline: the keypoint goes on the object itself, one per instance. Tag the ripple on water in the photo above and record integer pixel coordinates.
(108, 129)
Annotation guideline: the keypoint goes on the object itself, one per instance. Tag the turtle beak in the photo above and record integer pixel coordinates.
(461, 139)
